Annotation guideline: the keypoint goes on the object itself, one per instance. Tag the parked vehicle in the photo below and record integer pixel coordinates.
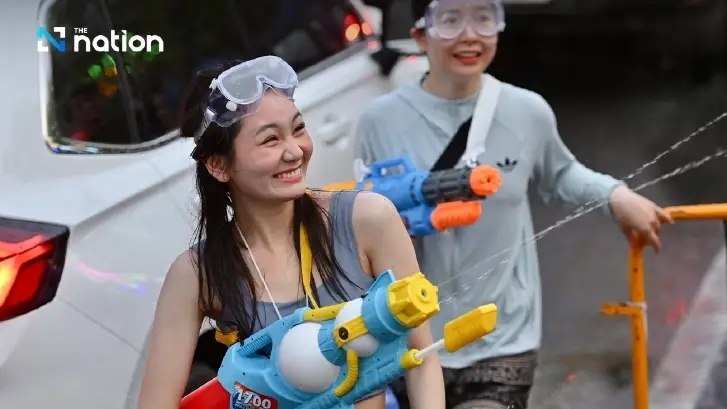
(96, 187)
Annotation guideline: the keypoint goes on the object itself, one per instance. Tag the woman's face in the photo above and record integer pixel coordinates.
(272, 151)
(465, 56)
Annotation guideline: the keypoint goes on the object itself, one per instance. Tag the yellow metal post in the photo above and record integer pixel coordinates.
(635, 308)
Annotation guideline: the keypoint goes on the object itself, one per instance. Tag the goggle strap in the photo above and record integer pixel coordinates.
(207, 119)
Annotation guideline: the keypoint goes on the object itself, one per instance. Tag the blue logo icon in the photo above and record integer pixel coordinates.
(59, 44)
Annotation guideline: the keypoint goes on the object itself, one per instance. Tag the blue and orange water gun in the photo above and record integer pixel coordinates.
(332, 357)
(428, 202)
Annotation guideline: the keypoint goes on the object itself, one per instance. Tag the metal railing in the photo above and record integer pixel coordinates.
(635, 307)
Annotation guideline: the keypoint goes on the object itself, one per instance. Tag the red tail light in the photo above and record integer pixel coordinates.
(355, 29)
(32, 255)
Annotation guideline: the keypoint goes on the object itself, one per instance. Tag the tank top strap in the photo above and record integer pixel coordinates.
(341, 210)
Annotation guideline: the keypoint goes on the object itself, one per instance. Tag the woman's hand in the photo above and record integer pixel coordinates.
(638, 216)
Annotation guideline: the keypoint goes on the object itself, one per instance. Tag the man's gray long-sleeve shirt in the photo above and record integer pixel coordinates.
(494, 260)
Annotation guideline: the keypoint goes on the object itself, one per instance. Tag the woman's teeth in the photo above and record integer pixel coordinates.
(467, 54)
(288, 175)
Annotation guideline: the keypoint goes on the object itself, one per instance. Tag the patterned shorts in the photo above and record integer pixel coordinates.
(498, 383)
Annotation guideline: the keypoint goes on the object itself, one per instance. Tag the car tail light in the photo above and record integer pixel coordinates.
(32, 256)
(354, 29)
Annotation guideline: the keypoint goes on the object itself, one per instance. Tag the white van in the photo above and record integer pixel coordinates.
(96, 188)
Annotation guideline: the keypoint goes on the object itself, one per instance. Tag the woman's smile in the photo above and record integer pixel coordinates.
(294, 175)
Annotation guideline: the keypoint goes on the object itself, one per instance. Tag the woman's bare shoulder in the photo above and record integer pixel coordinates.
(373, 214)
(182, 277)
(184, 266)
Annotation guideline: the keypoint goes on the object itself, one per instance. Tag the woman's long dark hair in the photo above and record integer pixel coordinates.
(219, 261)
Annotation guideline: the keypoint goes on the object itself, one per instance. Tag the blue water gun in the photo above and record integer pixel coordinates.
(332, 357)
(428, 202)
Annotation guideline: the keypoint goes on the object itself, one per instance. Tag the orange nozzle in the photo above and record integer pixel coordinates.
(455, 214)
(485, 180)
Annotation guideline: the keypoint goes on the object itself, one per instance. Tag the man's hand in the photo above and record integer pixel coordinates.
(638, 216)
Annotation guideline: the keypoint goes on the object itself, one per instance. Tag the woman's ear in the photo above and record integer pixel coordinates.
(420, 37)
(217, 167)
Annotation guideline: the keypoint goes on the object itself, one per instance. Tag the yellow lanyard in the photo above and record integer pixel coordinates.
(306, 265)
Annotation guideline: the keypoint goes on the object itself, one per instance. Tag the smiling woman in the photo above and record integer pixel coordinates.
(269, 165)
(244, 271)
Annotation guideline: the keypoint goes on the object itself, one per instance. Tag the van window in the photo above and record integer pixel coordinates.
(122, 100)
(303, 33)
(85, 92)
(196, 35)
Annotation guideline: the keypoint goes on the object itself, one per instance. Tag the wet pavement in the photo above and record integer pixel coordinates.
(615, 117)
(714, 395)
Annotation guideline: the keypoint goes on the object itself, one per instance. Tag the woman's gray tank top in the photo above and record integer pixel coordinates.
(346, 253)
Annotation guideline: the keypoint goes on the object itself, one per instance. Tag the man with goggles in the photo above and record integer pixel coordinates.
(458, 114)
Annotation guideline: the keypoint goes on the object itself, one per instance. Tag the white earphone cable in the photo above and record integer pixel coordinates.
(259, 273)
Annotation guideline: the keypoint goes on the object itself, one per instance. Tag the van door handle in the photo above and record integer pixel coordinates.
(333, 129)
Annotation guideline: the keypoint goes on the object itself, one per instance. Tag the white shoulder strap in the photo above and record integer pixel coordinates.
(482, 118)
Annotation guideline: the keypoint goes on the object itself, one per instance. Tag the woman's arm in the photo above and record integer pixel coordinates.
(561, 178)
(173, 338)
(386, 244)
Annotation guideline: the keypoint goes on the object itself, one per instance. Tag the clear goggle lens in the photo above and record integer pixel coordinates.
(238, 92)
(447, 19)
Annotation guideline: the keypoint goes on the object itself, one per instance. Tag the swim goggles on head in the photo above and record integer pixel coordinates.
(238, 91)
(447, 19)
